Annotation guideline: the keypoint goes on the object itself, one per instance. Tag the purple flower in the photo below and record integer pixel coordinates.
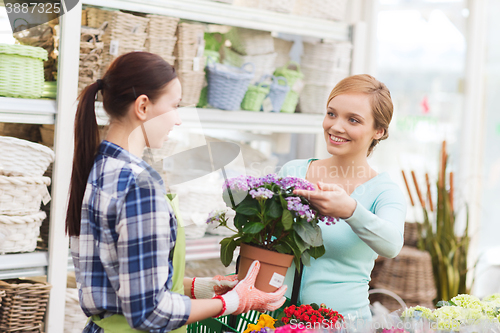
(237, 183)
(295, 204)
(261, 193)
(329, 220)
(215, 216)
(295, 183)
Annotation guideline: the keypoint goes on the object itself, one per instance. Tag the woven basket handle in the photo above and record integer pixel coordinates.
(277, 79)
(291, 64)
(92, 37)
(389, 293)
(248, 64)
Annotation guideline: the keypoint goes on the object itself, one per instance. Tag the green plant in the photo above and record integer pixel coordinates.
(270, 216)
(438, 235)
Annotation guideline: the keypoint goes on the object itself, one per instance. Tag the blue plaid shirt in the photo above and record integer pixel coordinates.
(122, 257)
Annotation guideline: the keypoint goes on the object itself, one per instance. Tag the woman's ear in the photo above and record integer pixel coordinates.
(141, 105)
(379, 133)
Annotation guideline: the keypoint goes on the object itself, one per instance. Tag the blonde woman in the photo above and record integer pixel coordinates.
(370, 206)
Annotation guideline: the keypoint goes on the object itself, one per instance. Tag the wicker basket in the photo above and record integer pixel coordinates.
(90, 58)
(291, 71)
(313, 98)
(21, 71)
(323, 76)
(22, 195)
(324, 9)
(24, 305)
(290, 103)
(74, 318)
(410, 276)
(250, 42)
(282, 48)
(44, 36)
(227, 85)
(332, 55)
(160, 26)
(163, 46)
(264, 63)
(278, 92)
(192, 82)
(254, 97)
(190, 40)
(282, 6)
(20, 233)
(411, 234)
(23, 158)
(196, 64)
(124, 33)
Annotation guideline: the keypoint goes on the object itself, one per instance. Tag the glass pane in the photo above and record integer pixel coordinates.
(421, 59)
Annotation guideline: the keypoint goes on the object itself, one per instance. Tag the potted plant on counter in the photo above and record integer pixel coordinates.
(271, 225)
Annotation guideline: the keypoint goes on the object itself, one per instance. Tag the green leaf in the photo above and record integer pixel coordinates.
(301, 245)
(284, 203)
(253, 228)
(240, 221)
(314, 306)
(274, 209)
(247, 209)
(316, 251)
(310, 234)
(306, 258)
(227, 247)
(287, 219)
(283, 248)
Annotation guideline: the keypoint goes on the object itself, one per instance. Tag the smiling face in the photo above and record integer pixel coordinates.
(349, 125)
(163, 115)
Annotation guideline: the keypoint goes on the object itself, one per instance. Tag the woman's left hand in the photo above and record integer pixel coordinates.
(330, 200)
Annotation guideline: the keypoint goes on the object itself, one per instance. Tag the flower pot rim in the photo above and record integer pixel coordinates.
(252, 254)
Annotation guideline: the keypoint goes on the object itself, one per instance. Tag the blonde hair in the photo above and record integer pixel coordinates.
(380, 100)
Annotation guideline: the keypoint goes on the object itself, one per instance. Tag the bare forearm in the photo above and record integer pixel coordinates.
(187, 286)
(204, 308)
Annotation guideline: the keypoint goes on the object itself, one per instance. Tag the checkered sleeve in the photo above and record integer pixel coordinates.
(146, 232)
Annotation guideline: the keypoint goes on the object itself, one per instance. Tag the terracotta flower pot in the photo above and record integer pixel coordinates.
(273, 266)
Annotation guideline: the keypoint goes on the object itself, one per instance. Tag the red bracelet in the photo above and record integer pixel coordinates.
(223, 305)
(192, 289)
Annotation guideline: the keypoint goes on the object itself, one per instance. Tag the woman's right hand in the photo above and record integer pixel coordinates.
(245, 297)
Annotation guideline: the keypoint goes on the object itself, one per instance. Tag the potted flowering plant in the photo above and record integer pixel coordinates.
(310, 316)
(270, 219)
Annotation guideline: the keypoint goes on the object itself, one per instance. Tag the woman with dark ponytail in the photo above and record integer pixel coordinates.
(127, 239)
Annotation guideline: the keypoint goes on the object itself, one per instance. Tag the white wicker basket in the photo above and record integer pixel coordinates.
(190, 64)
(251, 42)
(282, 48)
(324, 9)
(74, 318)
(23, 158)
(327, 51)
(313, 98)
(323, 76)
(20, 233)
(22, 195)
(264, 63)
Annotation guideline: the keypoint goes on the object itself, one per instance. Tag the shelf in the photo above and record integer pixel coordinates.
(242, 120)
(27, 111)
(23, 265)
(220, 13)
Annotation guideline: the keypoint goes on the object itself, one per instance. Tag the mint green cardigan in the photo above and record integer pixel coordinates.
(340, 277)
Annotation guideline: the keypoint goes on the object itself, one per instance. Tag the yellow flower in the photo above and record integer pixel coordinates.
(266, 320)
(253, 327)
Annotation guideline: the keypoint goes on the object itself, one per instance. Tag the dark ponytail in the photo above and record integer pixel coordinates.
(129, 76)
